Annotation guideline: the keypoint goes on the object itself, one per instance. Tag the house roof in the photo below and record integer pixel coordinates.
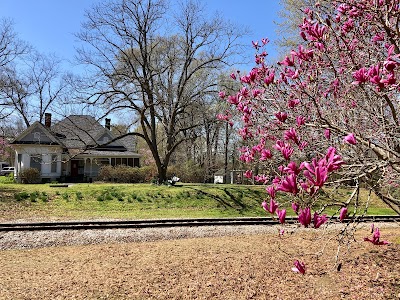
(98, 153)
(36, 134)
(80, 132)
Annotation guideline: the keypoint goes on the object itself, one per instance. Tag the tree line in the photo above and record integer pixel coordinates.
(157, 68)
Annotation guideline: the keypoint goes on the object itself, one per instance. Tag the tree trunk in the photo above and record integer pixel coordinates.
(162, 174)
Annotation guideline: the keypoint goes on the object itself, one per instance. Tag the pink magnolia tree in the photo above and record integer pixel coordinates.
(327, 113)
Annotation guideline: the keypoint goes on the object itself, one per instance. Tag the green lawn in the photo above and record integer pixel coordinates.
(143, 201)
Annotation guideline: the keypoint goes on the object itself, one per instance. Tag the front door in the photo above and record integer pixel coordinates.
(74, 168)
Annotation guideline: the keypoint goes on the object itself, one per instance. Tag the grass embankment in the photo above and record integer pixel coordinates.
(144, 201)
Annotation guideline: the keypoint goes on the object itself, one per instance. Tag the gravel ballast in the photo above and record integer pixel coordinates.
(40, 239)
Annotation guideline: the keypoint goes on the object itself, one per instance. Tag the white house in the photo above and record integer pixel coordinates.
(73, 149)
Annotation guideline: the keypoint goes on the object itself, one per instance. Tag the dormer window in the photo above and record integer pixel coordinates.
(36, 135)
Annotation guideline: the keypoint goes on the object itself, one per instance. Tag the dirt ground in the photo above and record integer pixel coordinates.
(240, 267)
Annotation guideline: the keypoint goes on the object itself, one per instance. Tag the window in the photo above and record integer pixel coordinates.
(130, 162)
(36, 135)
(136, 162)
(54, 163)
(36, 162)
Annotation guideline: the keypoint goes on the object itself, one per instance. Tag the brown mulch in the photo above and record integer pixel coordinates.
(239, 267)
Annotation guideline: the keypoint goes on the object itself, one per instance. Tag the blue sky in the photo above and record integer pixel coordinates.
(49, 25)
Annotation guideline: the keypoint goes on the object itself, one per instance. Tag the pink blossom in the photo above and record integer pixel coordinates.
(265, 41)
(379, 37)
(303, 54)
(316, 173)
(281, 116)
(305, 216)
(233, 76)
(245, 79)
(255, 44)
(261, 179)
(342, 8)
(244, 92)
(256, 92)
(287, 61)
(269, 78)
(360, 76)
(247, 155)
(374, 75)
(291, 134)
(316, 32)
(389, 80)
(277, 180)
(375, 238)
(292, 103)
(390, 65)
(292, 168)
(332, 160)
(299, 267)
(327, 133)
(319, 220)
(350, 139)
(248, 174)
(281, 215)
(303, 145)
(300, 121)
(271, 191)
(265, 154)
(272, 206)
(245, 133)
(348, 26)
(285, 148)
(233, 99)
(281, 232)
(288, 184)
(343, 213)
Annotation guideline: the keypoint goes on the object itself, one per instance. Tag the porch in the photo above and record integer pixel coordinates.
(86, 169)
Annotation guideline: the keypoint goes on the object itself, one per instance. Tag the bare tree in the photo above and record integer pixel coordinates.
(161, 68)
(11, 48)
(30, 88)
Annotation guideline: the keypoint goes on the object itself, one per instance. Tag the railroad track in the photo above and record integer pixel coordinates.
(90, 225)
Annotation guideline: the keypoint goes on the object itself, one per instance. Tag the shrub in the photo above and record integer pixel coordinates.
(21, 196)
(33, 196)
(125, 174)
(30, 175)
(9, 178)
(79, 196)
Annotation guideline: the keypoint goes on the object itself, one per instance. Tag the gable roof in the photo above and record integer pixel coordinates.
(80, 132)
(37, 133)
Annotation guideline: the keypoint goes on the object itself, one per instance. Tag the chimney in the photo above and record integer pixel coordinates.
(108, 124)
(47, 120)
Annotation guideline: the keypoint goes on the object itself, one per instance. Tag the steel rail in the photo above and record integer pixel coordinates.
(154, 223)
